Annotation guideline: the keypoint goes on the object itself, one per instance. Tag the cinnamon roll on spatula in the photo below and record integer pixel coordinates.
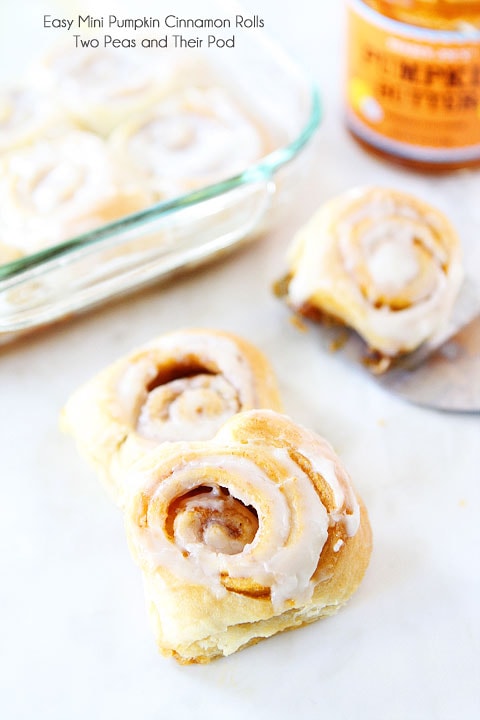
(381, 262)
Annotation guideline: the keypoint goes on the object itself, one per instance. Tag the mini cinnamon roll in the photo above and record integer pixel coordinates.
(99, 88)
(181, 386)
(190, 140)
(380, 261)
(254, 532)
(56, 188)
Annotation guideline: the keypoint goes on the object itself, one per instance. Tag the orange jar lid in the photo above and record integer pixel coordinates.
(434, 14)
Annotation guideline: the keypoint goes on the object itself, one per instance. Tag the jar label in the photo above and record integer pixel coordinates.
(411, 91)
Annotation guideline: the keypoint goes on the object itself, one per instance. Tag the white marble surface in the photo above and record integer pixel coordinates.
(74, 636)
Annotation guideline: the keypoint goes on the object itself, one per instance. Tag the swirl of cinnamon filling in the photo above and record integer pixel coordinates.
(182, 386)
(188, 407)
(257, 511)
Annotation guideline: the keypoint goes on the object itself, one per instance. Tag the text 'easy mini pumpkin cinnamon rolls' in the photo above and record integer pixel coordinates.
(380, 261)
(181, 386)
(254, 532)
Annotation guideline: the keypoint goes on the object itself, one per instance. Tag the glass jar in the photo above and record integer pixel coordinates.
(413, 80)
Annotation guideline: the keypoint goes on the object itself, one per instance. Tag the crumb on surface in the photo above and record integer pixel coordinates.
(377, 363)
(339, 342)
(280, 286)
(298, 323)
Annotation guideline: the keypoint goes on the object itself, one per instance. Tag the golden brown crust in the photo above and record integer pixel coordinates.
(330, 595)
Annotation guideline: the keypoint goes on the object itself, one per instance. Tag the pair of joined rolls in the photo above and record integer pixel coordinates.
(244, 524)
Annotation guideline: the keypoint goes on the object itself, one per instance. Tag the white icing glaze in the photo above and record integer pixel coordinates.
(194, 138)
(102, 87)
(324, 462)
(188, 409)
(393, 264)
(24, 114)
(57, 186)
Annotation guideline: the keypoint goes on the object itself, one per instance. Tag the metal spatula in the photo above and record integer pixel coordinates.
(448, 379)
(445, 373)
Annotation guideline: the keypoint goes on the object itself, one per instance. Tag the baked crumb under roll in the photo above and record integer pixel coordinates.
(254, 532)
(380, 261)
(181, 386)
(191, 139)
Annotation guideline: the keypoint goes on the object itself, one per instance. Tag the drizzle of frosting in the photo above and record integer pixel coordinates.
(324, 462)
(393, 264)
(104, 75)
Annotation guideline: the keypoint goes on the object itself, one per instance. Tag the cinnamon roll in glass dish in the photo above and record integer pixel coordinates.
(59, 187)
(101, 87)
(192, 139)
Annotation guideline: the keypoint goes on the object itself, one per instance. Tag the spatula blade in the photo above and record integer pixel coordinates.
(448, 379)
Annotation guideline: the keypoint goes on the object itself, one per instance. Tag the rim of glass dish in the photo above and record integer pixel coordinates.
(261, 171)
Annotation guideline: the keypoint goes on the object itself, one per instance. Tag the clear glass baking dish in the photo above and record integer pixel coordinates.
(137, 249)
